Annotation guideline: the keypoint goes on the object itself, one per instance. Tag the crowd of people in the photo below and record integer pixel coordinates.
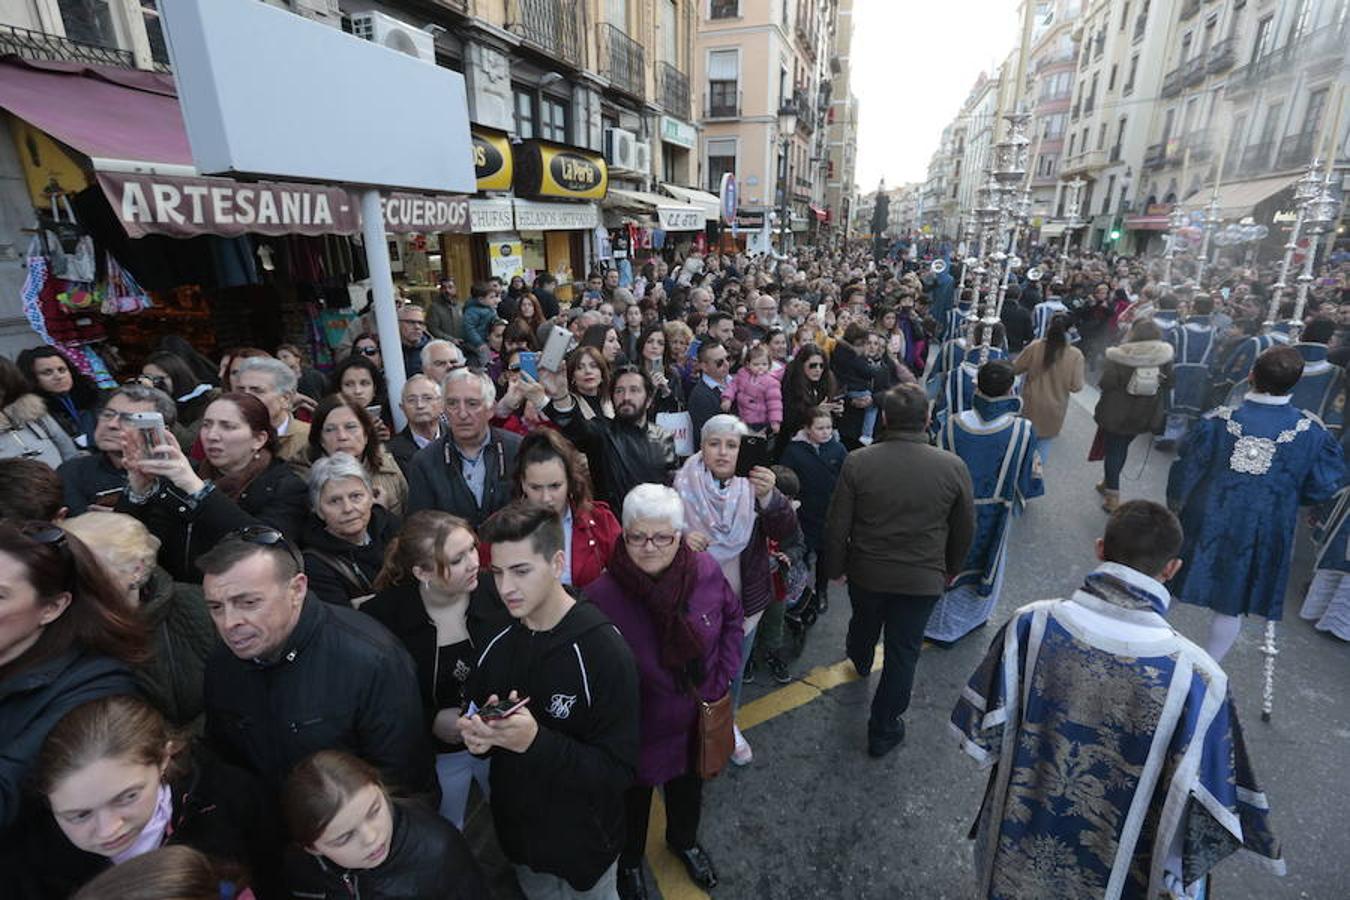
(256, 638)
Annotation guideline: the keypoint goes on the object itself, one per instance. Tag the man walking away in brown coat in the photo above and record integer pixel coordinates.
(900, 524)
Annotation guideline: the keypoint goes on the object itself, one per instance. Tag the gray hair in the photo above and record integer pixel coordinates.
(654, 501)
(433, 346)
(424, 377)
(485, 384)
(282, 377)
(327, 469)
(138, 393)
(723, 423)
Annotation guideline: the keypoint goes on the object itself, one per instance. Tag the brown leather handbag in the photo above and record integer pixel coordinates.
(715, 739)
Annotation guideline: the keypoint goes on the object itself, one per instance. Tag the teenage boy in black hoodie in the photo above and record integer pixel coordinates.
(560, 763)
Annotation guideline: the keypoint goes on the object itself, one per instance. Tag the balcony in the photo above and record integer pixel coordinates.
(1193, 71)
(28, 44)
(622, 61)
(1155, 157)
(722, 102)
(1295, 150)
(1200, 145)
(673, 86)
(1053, 59)
(552, 27)
(1256, 158)
(1171, 84)
(1222, 55)
(1323, 45)
(1089, 161)
(1073, 113)
(1189, 9)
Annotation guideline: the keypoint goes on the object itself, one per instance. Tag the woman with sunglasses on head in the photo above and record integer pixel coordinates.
(71, 398)
(434, 596)
(683, 621)
(66, 637)
(119, 784)
(242, 481)
(343, 426)
(349, 838)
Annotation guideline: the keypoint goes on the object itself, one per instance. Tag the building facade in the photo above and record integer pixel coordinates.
(841, 156)
(1053, 62)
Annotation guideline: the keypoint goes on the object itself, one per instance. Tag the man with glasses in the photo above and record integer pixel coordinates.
(705, 400)
(412, 333)
(467, 471)
(295, 675)
(440, 358)
(421, 404)
(97, 481)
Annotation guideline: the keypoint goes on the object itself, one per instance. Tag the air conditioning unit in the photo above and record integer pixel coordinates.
(394, 34)
(642, 157)
(620, 148)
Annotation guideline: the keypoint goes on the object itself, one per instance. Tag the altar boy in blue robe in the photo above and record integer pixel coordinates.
(998, 446)
(1236, 367)
(1118, 767)
(1194, 343)
(1238, 481)
(964, 345)
(1321, 389)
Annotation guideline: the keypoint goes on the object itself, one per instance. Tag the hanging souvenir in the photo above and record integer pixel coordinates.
(70, 250)
(123, 294)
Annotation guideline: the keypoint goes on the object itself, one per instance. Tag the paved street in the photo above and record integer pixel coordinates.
(815, 817)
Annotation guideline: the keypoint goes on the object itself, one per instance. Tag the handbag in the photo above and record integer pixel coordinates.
(715, 739)
(681, 428)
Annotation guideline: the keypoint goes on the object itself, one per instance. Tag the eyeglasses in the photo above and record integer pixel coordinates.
(638, 539)
(266, 536)
(717, 363)
(368, 351)
(513, 368)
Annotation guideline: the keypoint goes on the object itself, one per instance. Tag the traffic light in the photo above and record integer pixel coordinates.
(1115, 234)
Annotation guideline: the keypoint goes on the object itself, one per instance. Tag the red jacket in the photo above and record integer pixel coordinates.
(594, 534)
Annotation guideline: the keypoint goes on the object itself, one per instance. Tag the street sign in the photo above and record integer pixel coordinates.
(728, 197)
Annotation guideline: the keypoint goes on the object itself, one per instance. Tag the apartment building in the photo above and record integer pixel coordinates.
(841, 154)
(761, 65)
(1053, 62)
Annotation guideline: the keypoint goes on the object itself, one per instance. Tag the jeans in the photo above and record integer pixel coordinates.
(747, 647)
(903, 618)
(455, 772)
(684, 806)
(543, 886)
(1117, 448)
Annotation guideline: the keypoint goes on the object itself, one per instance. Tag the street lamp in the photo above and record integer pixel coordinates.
(787, 127)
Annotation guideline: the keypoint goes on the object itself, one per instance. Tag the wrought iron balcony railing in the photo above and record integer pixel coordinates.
(1171, 84)
(551, 26)
(1256, 157)
(673, 86)
(1193, 72)
(1295, 150)
(1324, 43)
(1222, 55)
(622, 60)
(1155, 157)
(28, 44)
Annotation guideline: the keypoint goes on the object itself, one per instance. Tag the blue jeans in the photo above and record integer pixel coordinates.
(455, 772)
(747, 646)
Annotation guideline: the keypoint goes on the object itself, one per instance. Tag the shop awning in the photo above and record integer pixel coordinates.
(1240, 197)
(709, 203)
(671, 215)
(113, 116)
(821, 214)
(1146, 223)
(1052, 229)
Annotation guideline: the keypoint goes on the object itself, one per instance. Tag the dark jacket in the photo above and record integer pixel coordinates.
(1017, 326)
(558, 806)
(84, 477)
(187, 529)
(902, 518)
(774, 520)
(445, 319)
(33, 700)
(796, 404)
(312, 383)
(628, 454)
(1120, 412)
(435, 480)
(340, 571)
(403, 447)
(704, 403)
(673, 400)
(218, 809)
(428, 857)
(400, 609)
(340, 682)
(548, 303)
(884, 376)
(818, 470)
(183, 639)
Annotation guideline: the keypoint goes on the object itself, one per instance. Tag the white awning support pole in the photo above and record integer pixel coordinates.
(382, 288)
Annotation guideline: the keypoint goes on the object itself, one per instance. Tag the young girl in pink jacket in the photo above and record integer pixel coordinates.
(756, 393)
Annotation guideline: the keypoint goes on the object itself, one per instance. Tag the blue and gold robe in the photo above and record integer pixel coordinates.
(950, 355)
(1321, 388)
(1237, 364)
(1238, 481)
(1116, 752)
(998, 446)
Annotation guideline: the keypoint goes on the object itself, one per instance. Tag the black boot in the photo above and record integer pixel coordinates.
(632, 884)
(698, 865)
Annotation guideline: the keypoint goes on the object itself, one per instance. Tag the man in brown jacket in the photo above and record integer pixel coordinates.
(900, 524)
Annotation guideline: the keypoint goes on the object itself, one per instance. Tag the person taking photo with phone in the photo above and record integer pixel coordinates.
(564, 749)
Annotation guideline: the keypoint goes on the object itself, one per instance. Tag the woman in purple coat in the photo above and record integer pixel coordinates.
(682, 620)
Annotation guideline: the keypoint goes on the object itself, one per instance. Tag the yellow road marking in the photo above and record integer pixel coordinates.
(671, 878)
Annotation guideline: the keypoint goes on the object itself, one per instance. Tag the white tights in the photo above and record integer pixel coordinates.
(1223, 633)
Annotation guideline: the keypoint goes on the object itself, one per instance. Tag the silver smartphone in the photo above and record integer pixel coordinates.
(555, 349)
(150, 425)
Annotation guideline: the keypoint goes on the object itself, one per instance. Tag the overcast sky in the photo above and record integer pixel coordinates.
(914, 62)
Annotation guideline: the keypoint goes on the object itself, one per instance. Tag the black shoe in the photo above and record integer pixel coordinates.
(698, 865)
(749, 676)
(822, 600)
(777, 668)
(880, 745)
(864, 666)
(632, 886)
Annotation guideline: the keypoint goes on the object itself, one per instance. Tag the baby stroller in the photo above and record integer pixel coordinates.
(800, 615)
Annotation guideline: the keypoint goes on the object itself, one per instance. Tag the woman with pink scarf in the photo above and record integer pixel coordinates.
(733, 517)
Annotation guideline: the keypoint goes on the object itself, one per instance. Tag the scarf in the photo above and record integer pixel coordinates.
(666, 599)
(725, 513)
(233, 485)
(152, 835)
